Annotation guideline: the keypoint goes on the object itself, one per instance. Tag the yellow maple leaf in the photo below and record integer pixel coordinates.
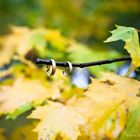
(12, 43)
(56, 119)
(100, 114)
(20, 41)
(113, 96)
(22, 92)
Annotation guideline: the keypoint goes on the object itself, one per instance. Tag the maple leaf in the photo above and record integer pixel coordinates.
(56, 119)
(23, 95)
(12, 43)
(103, 109)
(22, 40)
(130, 36)
(113, 96)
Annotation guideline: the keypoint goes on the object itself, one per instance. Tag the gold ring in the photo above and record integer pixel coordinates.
(51, 70)
(68, 70)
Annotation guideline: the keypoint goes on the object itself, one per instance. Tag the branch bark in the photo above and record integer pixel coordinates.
(82, 65)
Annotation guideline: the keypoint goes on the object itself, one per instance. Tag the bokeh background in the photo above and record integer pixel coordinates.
(86, 21)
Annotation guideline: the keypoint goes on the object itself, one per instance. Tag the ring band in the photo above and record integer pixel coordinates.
(53, 68)
(69, 71)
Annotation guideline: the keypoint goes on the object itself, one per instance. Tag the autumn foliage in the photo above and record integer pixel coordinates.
(36, 107)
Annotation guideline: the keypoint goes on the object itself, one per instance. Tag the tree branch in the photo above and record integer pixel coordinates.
(88, 64)
(82, 65)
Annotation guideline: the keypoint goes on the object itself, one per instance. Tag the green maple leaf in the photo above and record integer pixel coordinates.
(130, 36)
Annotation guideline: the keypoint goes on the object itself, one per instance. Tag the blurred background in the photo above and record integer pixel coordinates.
(86, 21)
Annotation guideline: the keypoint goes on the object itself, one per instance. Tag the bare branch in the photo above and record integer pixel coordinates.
(82, 65)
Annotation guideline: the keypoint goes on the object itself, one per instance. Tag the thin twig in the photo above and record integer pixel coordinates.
(82, 65)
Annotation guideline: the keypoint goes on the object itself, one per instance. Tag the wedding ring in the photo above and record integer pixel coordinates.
(50, 69)
(68, 70)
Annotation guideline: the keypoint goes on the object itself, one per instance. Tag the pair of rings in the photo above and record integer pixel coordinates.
(51, 69)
